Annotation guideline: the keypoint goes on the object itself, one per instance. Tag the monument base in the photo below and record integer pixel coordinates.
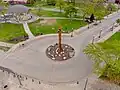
(55, 54)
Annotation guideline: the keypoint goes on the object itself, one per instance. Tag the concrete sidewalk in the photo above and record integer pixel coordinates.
(6, 44)
(27, 30)
(107, 35)
(60, 18)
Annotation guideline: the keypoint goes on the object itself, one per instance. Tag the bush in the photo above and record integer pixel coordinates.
(107, 60)
(70, 10)
(118, 21)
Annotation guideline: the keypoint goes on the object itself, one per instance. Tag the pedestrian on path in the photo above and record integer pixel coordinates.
(111, 29)
(21, 45)
(88, 26)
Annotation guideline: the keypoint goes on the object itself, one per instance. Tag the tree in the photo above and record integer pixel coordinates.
(118, 21)
(88, 9)
(111, 7)
(70, 10)
(31, 1)
(5, 4)
(92, 17)
(95, 7)
(38, 5)
(1, 2)
(106, 57)
(71, 1)
(60, 4)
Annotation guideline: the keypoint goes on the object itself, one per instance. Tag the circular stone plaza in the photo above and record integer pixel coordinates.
(31, 62)
(48, 61)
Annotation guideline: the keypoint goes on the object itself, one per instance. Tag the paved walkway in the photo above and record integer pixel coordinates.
(1, 53)
(52, 9)
(6, 44)
(31, 18)
(60, 18)
(48, 9)
(27, 30)
(106, 35)
(93, 84)
(83, 29)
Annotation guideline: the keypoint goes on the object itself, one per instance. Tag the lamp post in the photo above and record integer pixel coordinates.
(112, 27)
(93, 39)
(118, 7)
(100, 33)
(72, 33)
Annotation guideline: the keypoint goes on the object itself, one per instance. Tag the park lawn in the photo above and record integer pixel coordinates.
(9, 31)
(67, 26)
(116, 36)
(29, 5)
(99, 13)
(49, 6)
(111, 42)
(47, 13)
(52, 14)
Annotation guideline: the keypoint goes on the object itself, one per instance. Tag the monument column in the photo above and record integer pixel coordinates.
(60, 51)
(59, 36)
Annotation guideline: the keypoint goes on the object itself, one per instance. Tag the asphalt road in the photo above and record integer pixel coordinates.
(31, 59)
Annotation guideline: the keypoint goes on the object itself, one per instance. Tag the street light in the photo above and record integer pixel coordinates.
(72, 33)
(100, 33)
(111, 29)
(93, 39)
(118, 7)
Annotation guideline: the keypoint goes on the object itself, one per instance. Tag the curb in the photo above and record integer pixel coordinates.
(15, 47)
(107, 36)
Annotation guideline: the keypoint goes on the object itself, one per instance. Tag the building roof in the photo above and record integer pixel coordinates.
(18, 9)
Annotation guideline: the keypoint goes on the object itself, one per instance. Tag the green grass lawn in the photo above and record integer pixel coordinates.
(111, 42)
(116, 36)
(47, 13)
(49, 6)
(99, 12)
(10, 31)
(67, 25)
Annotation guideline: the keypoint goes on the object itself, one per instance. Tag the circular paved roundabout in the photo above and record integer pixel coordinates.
(30, 59)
